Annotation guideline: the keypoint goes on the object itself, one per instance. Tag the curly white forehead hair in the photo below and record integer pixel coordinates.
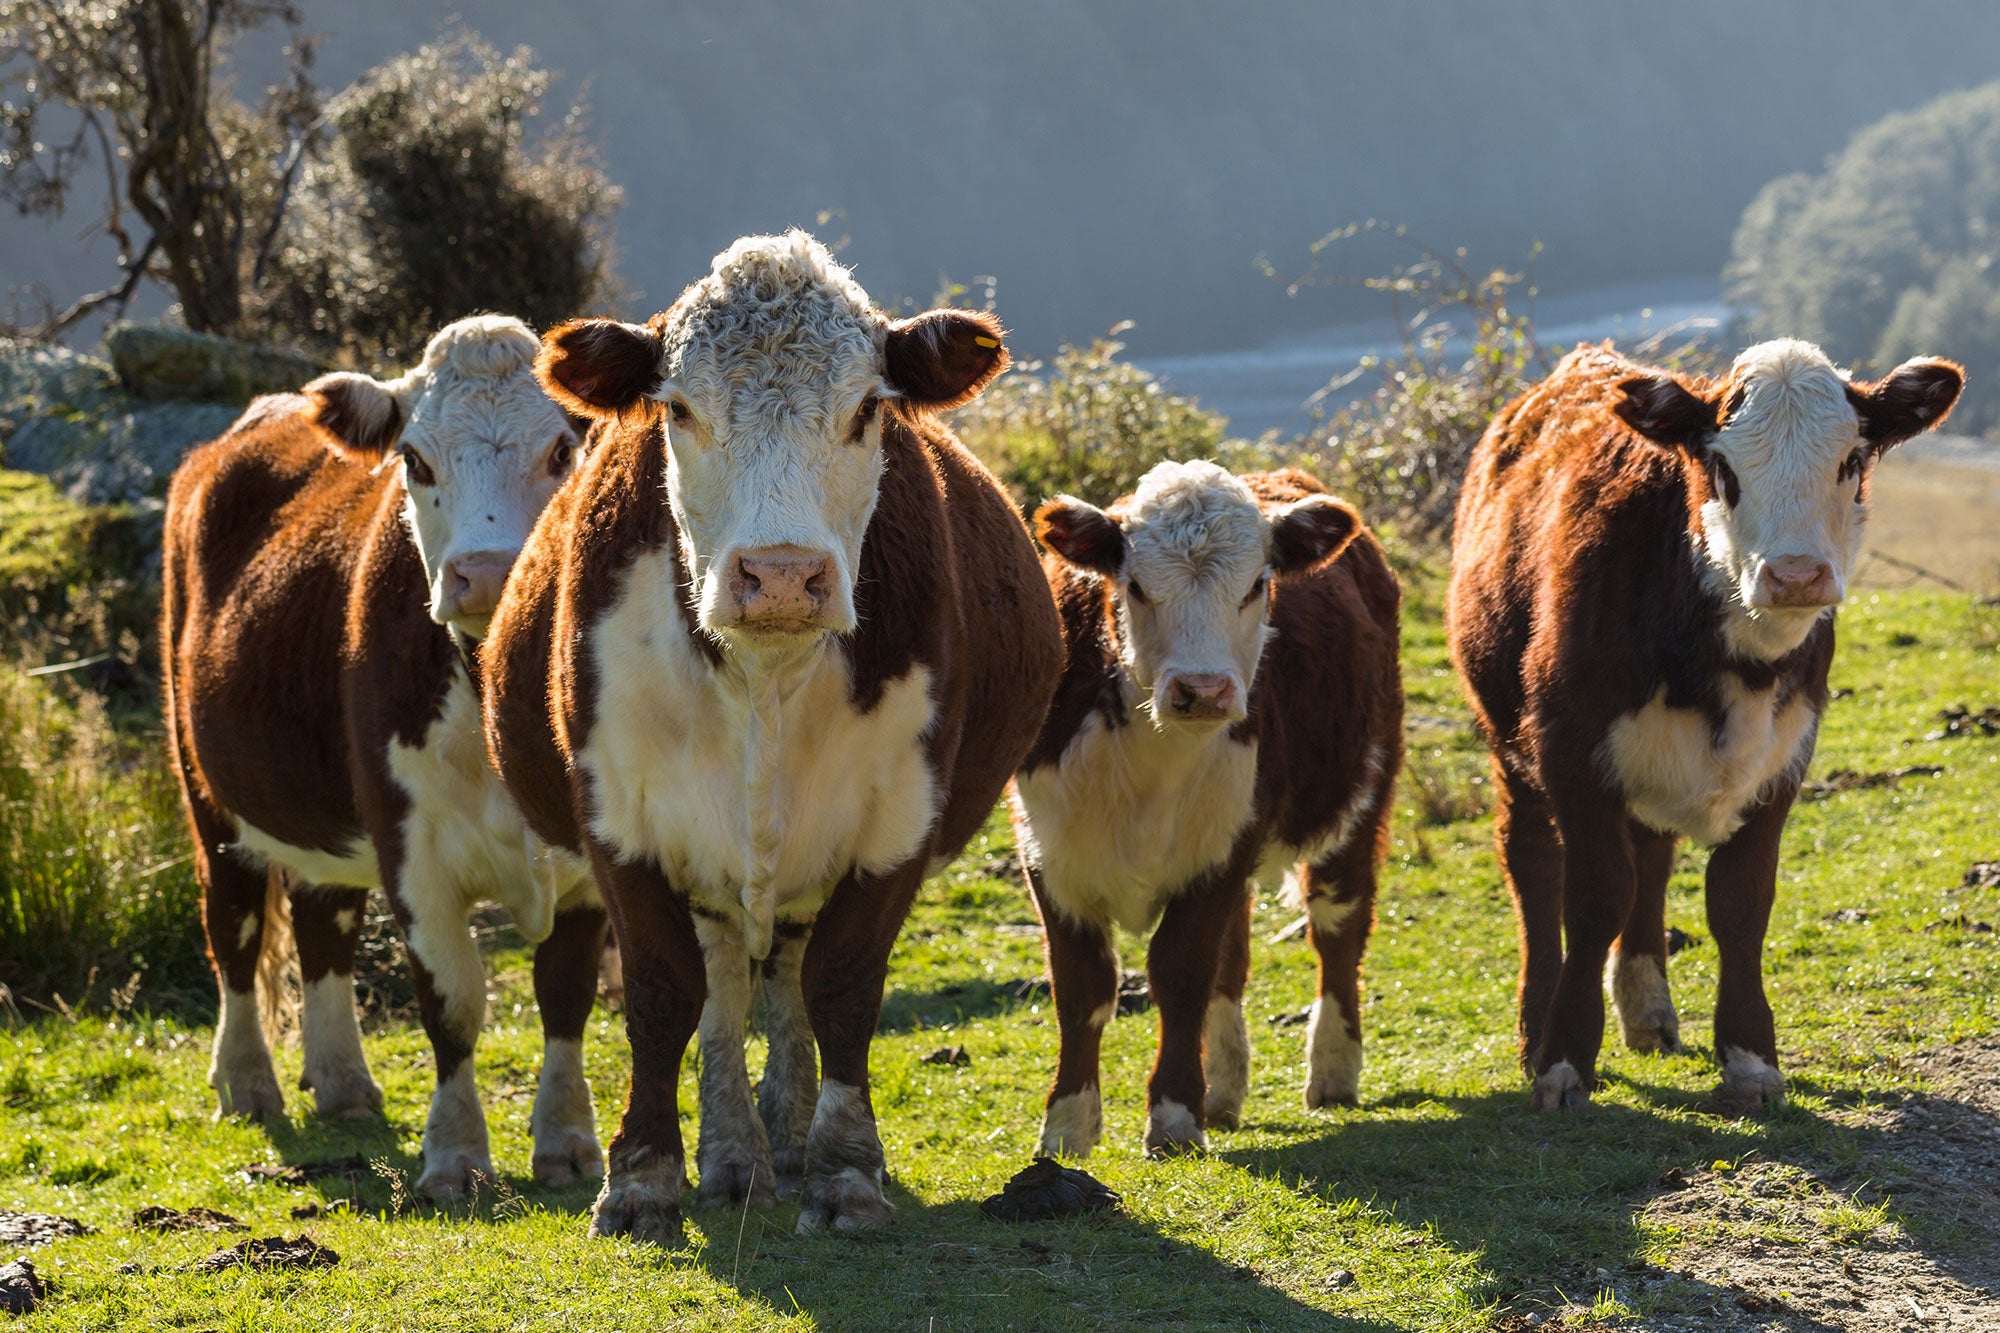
(777, 327)
(1195, 512)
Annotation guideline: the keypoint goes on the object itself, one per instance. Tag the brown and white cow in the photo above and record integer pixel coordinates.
(1641, 607)
(321, 594)
(1231, 703)
(769, 659)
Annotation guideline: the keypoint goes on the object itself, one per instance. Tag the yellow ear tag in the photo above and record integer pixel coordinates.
(987, 342)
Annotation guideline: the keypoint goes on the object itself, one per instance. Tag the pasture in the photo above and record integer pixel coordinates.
(1442, 1202)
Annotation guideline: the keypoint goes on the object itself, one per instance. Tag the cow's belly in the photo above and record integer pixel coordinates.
(1681, 774)
(1129, 816)
(463, 839)
(782, 799)
(355, 867)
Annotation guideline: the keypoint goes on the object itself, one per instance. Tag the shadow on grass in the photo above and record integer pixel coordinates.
(948, 1267)
(958, 1002)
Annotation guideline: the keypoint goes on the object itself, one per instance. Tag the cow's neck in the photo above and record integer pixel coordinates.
(764, 682)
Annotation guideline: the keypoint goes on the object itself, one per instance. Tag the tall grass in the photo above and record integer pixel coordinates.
(96, 887)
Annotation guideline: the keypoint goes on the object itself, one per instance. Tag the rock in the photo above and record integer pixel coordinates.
(156, 362)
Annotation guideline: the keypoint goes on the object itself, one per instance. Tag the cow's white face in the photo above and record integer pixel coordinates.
(482, 448)
(770, 379)
(1779, 458)
(1190, 556)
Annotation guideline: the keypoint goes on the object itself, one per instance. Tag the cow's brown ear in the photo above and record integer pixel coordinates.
(1082, 534)
(1914, 397)
(942, 358)
(1666, 412)
(360, 414)
(600, 367)
(1309, 531)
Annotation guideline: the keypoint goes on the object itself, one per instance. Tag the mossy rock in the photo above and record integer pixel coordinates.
(158, 363)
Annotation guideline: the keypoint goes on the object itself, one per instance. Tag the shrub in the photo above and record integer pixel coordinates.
(1889, 252)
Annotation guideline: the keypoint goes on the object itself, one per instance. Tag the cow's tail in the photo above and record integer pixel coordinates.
(278, 986)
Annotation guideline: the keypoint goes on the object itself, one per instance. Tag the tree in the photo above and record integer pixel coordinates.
(131, 87)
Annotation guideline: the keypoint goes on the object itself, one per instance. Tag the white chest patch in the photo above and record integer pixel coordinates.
(755, 790)
(463, 839)
(1129, 815)
(1681, 774)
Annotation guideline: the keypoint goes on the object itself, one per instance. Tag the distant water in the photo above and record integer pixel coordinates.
(1271, 387)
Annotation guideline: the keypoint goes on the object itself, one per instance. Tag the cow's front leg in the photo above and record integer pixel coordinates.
(326, 922)
(1644, 1004)
(451, 1001)
(1742, 882)
(1083, 979)
(664, 990)
(564, 1122)
(1598, 888)
(846, 966)
(790, 1088)
(1180, 972)
(1340, 910)
(734, 1155)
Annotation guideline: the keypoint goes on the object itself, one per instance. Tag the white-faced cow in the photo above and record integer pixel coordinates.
(1641, 601)
(772, 656)
(1230, 704)
(321, 595)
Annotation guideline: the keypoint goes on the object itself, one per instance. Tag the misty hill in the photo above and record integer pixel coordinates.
(1133, 158)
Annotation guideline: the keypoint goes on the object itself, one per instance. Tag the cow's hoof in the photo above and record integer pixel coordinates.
(1223, 1117)
(640, 1212)
(354, 1097)
(564, 1157)
(1072, 1125)
(850, 1200)
(454, 1175)
(1171, 1130)
(1331, 1090)
(249, 1096)
(789, 1165)
(1560, 1089)
(737, 1182)
(1655, 1033)
(1749, 1082)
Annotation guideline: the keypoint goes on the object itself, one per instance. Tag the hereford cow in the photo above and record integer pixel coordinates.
(323, 715)
(770, 658)
(1231, 701)
(1641, 607)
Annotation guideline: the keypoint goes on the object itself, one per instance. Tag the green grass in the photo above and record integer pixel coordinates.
(1442, 1194)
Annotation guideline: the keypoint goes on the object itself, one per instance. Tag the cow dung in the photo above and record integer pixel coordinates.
(270, 1252)
(1047, 1189)
(28, 1230)
(21, 1288)
(156, 1217)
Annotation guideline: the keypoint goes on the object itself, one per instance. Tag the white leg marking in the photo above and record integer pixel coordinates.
(1329, 915)
(564, 1121)
(1333, 1057)
(843, 1187)
(345, 920)
(1170, 1128)
(1747, 1079)
(734, 1155)
(643, 1202)
(247, 928)
(1560, 1087)
(336, 1069)
(1644, 1004)
(455, 1145)
(1072, 1124)
(1225, 1060)
(240, 1068)
(790, 1090)
(1101, 1016)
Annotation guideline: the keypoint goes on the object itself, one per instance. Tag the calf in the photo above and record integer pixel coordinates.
(321, 595)
(1641, 608)
(771, 657)
(1230, 702)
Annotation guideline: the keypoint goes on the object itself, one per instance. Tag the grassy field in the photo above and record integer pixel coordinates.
(1441, 1202)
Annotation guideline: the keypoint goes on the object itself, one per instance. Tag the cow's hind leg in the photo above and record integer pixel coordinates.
(790, 1087)
(1339, 895)
(1180, 972)
(734, 1154)
(1639, 993)
(326, 923)
(846, 967)
(233, 902)
(1531, 856)
(564, 1121)
(1225, 1040)
(1742, 883)
(1083, 979)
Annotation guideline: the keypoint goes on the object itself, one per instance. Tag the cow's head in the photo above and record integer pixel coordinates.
(770, 378)
(1778, 457)
(482, 449)
(1189, 556)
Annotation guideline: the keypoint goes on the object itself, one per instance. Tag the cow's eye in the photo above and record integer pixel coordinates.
(1850, 468)
(864, 417)
(682, 414)
(415, 470)
(1138, 593)
(561, 455)
(1726, 484)
(1258, 588)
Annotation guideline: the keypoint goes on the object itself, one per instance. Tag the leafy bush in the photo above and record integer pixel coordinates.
(1890, 252)
(432, 204)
